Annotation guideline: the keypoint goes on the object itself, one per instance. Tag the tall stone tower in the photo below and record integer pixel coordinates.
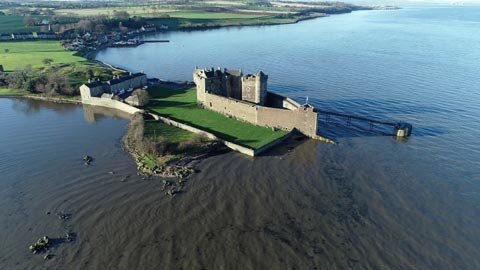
(254, 88)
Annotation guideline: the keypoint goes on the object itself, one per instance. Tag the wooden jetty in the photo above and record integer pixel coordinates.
(399, 129)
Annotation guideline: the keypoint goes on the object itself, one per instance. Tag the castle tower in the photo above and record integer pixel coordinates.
(199, 79)
(232, 83)
(254, 88)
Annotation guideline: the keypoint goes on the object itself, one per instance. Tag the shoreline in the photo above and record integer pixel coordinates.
(173, 169)
(49, 99)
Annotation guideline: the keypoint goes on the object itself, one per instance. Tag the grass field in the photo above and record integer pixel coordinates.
(32, 53)
(65, 63)
(211, 15)
(138, 11)
(11, 23)
(148, 12)
(11, 92)
(181, 105)
(156, 129)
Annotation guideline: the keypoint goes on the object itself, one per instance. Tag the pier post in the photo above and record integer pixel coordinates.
(403, 130)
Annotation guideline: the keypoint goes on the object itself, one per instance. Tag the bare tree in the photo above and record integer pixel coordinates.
(121, 15)
(143, 97)
(85, 26)
(29, 20)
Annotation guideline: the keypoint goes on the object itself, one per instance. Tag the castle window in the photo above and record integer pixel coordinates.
(210, 104)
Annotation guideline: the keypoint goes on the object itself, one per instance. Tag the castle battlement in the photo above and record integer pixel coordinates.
(245, 97)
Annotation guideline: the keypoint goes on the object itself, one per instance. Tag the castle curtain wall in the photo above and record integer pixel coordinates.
(235, 108)
(304, 118)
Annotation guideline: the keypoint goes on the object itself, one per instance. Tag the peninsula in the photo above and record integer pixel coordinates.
(227, 107)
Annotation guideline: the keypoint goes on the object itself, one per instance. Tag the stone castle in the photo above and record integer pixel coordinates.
(231, 83)
(245, 97)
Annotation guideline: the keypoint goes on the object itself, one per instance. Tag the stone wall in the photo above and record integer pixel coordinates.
(87, 93)
(111, 103)
(238, 109)
(302, 118)
(278, 101)
(242, 149)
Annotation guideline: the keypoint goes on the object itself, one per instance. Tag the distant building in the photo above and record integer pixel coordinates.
(5, 37)
(148, 28)
(115, 86)
(22, 36)
(45, 35)
(163, 27)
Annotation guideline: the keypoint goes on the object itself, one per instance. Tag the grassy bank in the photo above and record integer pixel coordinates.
(181, 105)
(68, 64)
(11, 92)
(20, 54)
(164, 150)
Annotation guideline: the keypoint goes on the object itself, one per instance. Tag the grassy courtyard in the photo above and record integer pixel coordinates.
(181, 105)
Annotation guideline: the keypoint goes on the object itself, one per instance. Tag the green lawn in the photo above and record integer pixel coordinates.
(11, 92)
(193, 14)
(14, 23)
(181, 105)
(32, 53)
(65, 63)
(108, 11)
(157, 129)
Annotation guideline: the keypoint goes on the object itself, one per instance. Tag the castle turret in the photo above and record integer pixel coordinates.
(254, 88)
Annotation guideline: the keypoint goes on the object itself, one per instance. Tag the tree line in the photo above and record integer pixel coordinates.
(33, 81)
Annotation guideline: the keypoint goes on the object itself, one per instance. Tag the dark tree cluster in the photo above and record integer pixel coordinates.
(32, 81)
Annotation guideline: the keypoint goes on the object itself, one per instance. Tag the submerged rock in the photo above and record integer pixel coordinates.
(41, 245)
(70, 236)
(87, 159)
(63, 216)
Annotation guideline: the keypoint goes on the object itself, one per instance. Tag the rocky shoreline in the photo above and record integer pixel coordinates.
(173, 167)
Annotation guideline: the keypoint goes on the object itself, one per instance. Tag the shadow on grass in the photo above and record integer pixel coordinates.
(163, 93)
(167, 103)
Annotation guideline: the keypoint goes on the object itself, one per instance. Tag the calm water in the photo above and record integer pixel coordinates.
(369, 202)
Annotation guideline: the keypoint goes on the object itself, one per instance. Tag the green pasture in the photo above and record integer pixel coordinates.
(12, 23)
(18, 54)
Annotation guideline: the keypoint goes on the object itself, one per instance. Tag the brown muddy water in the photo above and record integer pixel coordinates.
(306, 205)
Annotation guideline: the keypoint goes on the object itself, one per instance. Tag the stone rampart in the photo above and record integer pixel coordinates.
(235, 108)
(303, 118)
(111, 103)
